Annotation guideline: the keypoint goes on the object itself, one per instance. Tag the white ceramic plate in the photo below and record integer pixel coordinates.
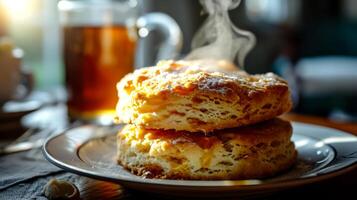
(16, 109)
(90, 151)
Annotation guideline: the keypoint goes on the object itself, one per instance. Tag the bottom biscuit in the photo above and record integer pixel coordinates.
(255, 151)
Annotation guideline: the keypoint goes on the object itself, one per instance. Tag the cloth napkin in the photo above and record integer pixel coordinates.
(32, 188)
(17, 168)
(26, 172)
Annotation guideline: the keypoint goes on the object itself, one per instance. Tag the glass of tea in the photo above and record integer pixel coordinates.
(99, 47)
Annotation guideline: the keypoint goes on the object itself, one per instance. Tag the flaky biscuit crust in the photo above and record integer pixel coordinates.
(256, 151)
(180, 96)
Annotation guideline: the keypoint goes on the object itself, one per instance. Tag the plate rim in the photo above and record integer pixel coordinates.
(260, 185)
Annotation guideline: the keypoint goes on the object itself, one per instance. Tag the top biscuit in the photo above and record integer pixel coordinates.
(183, 96)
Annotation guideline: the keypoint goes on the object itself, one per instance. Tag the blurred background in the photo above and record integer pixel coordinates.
(312, 44)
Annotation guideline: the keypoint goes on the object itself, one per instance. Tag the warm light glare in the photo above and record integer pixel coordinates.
(18, 9)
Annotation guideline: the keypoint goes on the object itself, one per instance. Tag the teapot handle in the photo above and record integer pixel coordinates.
(167, 26)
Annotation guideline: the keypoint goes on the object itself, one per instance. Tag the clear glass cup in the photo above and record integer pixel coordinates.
(99, 47)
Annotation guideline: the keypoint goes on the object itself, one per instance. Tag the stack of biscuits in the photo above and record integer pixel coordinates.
(189, 121)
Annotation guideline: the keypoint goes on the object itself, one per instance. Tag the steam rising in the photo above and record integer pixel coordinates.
(218, 38)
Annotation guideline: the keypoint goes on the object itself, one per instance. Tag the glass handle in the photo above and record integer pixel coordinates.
(168, 27)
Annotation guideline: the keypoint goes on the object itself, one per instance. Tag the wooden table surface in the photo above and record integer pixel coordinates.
(341, 187)
(348, 127)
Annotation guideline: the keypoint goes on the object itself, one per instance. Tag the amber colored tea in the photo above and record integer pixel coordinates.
(96, 58)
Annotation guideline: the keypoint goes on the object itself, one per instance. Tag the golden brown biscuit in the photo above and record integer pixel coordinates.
(183, 96)
(255, 151)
